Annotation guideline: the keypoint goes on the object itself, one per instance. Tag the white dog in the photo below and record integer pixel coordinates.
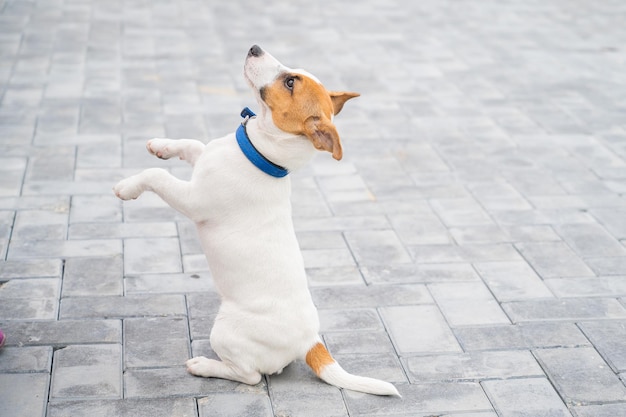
(239, 198)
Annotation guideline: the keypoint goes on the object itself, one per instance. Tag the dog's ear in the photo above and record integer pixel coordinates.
(339, 98)
(323, 134)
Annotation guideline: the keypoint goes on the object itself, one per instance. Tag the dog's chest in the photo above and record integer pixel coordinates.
(230, 188)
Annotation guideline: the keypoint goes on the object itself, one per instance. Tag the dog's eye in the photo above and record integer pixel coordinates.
(289, 82)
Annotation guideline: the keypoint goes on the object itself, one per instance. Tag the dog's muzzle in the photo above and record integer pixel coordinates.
(255, 51)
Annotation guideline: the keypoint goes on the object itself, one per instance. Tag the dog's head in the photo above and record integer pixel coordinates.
(295, 101)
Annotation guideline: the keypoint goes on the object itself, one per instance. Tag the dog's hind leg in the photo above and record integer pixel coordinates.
(186, 149)
(211, 368)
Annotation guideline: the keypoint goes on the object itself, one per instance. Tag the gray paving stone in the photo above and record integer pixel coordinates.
(345, 188)
(376, 247)
(438, 185)
(202, 347)
(29, 309)
(40, 225)
(177, 382)
(588, 287)
(479, 414)
(163, 257)
(572, 369)
(10, 185)
(531, 397)
(7, 220)
(122, 307)
(498, 195)
(203, 304)
(327, 258)
(65, 187)
(187, 233)
(154, 407)
(565, 309)
(391, 186)
(604, 410)
(519, 218)
(121, 230)
(366, 319)
(304, 224)
(454, 301)
(297, 391)
(25, 359)
(590, 240)
(411, 273)
(554, 260)
(607, 266)
(343, 275)
(512, 280)
(559, 202)
(57, 121)
(91, 155)
(421, 399)
(235, 405)
(477, 235)
(361, 296)
(612, 219)
(472, 366)
(420, 227)
(29, 249)
(98, 208)
(155, 342)
(61, 333)
(52, 164)
(358, 342)
(321, 240)
(93, 276)
(310, 207)
(385, 366)
(419, 329)
(30, 268)
(195, 263)
(422, 157)
(87, 371)
(24, 394)
(461, 212)
(100, 175)
(520, 336)
(609, 338)
(38, 288)
(465, 253)
(169, 283)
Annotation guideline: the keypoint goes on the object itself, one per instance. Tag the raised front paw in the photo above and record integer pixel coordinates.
(161, 148)
(128, 189)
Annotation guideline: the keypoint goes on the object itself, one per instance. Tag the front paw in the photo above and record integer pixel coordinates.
(128, 189)
(160, 148)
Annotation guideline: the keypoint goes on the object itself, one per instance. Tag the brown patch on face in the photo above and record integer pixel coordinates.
(302, 106)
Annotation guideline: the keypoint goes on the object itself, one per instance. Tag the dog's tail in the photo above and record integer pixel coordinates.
(325, 367)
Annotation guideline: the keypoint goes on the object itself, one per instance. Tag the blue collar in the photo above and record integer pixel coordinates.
(253, 155)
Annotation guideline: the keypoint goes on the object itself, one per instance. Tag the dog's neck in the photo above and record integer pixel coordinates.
(284, 149)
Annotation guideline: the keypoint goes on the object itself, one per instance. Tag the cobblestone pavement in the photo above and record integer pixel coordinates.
(470, 248)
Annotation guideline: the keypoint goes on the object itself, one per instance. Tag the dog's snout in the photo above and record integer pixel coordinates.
(255, 51)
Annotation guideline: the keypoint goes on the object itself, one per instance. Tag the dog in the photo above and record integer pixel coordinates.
(239, 198)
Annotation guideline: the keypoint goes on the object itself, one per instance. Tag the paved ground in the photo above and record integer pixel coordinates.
(471, 246)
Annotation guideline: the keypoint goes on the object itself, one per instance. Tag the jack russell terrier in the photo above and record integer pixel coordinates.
(239, 198)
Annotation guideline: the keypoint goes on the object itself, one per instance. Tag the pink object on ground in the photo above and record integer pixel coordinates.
(2, 338)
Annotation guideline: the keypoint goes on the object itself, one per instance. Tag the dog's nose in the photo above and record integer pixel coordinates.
(255, 51)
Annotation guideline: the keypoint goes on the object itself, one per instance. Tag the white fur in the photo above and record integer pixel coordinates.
(267, 318)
